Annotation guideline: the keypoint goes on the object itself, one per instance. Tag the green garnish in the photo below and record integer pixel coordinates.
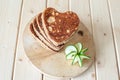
(76, 53)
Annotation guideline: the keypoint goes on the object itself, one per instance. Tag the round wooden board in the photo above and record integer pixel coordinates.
(55, 63)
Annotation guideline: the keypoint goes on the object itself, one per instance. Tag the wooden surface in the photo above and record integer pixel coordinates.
(54, 63)
(101, 17)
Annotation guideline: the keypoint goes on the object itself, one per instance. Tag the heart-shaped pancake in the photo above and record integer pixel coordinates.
(59, 27)
(38, 33)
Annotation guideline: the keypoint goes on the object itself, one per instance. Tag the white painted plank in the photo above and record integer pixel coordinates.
(24, 70)
(106, 68)
(60, 5)
(46, 77)
(115, 17)
(81, 7)
(9, 18)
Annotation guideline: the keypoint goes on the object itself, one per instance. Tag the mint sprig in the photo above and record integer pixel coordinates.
(76, 53)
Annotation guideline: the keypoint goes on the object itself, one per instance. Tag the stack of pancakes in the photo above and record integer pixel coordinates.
(53, 29)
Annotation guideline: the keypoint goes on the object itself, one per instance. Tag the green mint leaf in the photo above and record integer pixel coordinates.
(72, 52)
(69, 49)
(78, 46)
(71, 55)
(74, 59)
(83, 50)
(80, 62)
(76, 53)
(84, 57)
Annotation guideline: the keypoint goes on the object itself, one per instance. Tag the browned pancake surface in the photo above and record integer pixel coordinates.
(60, 26)
(40, 21)
(36, 28)
(32, 30)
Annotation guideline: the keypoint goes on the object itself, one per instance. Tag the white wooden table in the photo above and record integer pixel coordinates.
(101, 17)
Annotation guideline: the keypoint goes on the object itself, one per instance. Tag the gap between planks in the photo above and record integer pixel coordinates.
(91, 30)
(113, 34)
(22, 70)
(17, 40)
(110, 29)
(92, 37)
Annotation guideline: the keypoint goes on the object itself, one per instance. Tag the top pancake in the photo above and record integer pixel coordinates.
(59, 27)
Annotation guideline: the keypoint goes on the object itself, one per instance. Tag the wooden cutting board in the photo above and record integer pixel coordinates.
(55, 63)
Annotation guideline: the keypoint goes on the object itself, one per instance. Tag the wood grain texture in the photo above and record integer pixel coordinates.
(82, 8)
(103, 22)
(115, 19)
(106, 68)
(54, 63)
(23, 69)
(9, 19)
